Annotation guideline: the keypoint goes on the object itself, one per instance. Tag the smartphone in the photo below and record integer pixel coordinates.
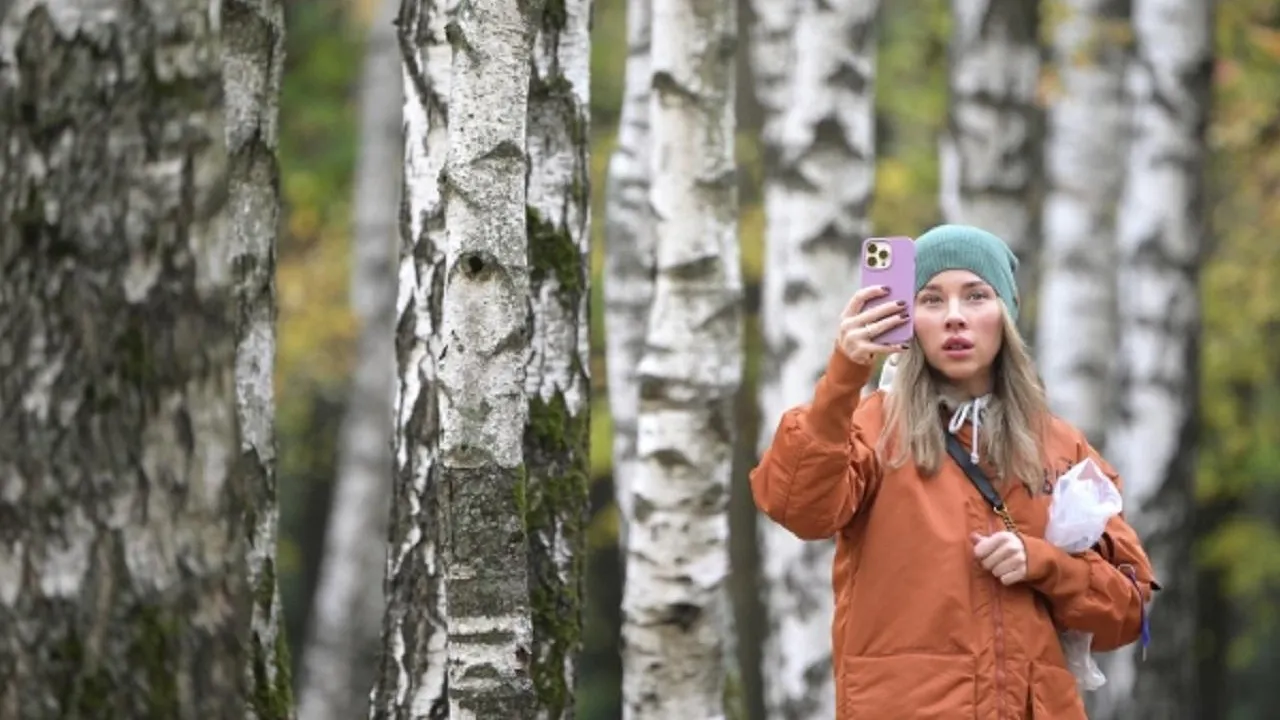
(891, 261)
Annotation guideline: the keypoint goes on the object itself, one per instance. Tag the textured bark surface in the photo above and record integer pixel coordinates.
(486, 327)
(773, 54)
(253, 61)
(675, 605)
(1084, 171)
(339, 661)
(1162, 237)
(989, 157)
(628, 260)
(819, 182)
(123, 533)
(556, 440)
(411, 681)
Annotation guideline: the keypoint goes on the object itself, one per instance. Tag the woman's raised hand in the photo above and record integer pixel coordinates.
(859, 326)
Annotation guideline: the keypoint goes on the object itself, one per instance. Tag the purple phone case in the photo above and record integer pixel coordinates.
(899, 277)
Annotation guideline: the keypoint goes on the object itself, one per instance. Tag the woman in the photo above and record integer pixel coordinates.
(944, 610)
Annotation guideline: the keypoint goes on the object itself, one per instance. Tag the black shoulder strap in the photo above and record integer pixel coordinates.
(979, 479)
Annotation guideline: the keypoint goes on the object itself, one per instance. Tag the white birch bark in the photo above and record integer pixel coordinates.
(253, 65)
(486, 329)
(557, 385)
(820, 185)
(1084, 172)
(628, 259)
(339, 658)
(988, 159)
(124, 589)
(675, 604)
(1162, 238)
(772, 45)
(412, 672)
(772, 48)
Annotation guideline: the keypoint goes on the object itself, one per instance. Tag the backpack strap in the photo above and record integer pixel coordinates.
(980, 481)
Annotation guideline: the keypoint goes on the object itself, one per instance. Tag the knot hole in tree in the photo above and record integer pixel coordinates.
(477, 266)
(683, 615)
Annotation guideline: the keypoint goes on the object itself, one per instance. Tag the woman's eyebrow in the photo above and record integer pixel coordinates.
(966, 286)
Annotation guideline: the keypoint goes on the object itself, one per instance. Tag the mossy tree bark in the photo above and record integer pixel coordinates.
(411, 680)
(253, 63)
(556, 443)
(676, 605)
(124, 585)
(491, 441)
(486, 327)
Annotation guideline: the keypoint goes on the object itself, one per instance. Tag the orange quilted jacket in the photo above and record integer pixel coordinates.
(921, 629)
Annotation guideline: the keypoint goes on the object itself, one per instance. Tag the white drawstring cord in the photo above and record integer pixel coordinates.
(970, 410)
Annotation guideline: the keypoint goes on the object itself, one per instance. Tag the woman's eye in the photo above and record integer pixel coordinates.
(978, 295)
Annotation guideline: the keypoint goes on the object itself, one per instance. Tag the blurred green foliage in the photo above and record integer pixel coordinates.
(1239, 472)
(316, 330)
(1240, 423)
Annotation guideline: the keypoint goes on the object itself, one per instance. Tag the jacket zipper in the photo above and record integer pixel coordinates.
(997, 617)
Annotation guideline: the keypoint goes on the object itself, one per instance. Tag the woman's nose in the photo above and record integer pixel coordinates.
(955, 319)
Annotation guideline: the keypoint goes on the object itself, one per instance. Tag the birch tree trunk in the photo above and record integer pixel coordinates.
(675, 604)
(820, 185)
(411, 682)
(556, 441)
(124, 590)
(628, 258)
(1088, 127)
(253, 64)
(486, 327)
(988, 157)
(1162, 236)
(339, 661)
(773, 51)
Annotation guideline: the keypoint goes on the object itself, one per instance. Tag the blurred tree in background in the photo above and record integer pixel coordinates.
(1239, 476)
(317, 332)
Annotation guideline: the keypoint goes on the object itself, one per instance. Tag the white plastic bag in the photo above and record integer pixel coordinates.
(1084, 499)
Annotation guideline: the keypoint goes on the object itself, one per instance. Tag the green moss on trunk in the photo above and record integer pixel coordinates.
(554, 254)
(553, 497)
(272, 701)
(554, 16)
(555, 513)
(151, 656)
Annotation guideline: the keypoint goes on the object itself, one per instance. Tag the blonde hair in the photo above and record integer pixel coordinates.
(1013, 424)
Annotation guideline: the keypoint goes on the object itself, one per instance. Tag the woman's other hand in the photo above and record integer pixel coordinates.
(859, 326)
(1003, 554)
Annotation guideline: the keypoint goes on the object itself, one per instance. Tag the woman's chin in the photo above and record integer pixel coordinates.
(965, 374)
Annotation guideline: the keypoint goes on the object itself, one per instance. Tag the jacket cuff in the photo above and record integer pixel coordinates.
(1047, 563)
(846, 373)
(836, 397)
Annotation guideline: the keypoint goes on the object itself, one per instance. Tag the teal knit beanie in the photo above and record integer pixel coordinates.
(963, 247)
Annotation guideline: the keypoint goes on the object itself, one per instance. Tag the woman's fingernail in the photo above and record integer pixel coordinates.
(902, 303)
(904, 315)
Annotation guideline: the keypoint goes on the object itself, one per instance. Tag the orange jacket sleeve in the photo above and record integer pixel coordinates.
(1103, 591)
(812, 477)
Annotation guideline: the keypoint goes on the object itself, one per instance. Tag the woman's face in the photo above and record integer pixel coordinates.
(959, 324)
